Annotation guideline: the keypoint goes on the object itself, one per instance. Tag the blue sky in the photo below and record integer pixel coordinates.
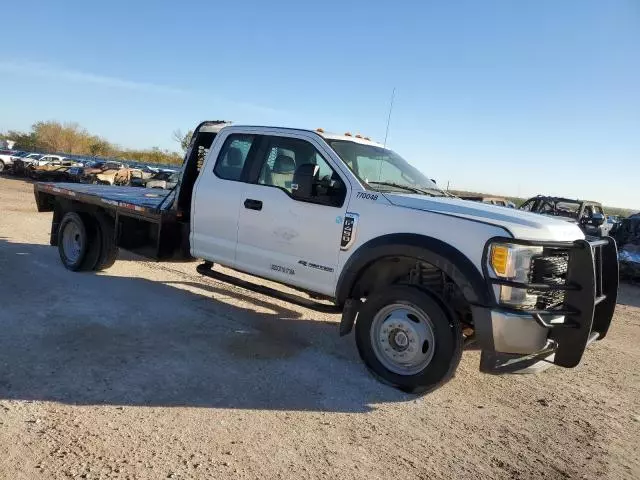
(509, 97)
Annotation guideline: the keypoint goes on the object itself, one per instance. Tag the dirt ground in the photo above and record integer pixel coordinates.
(149, 371)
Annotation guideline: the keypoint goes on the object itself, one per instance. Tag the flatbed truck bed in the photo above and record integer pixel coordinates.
(148, 201)
(144, 222)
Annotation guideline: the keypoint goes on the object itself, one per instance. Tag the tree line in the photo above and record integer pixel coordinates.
(73, 139)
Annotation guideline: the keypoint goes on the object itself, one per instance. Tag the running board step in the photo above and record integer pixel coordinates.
(206, 270)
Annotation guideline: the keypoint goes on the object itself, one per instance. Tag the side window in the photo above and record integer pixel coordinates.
(324, 170)
(597, 209)
(588, 212)
(284, 155)
(233, 156)
(281, 158)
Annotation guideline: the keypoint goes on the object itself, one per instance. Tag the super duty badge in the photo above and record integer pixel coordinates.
(349, 228)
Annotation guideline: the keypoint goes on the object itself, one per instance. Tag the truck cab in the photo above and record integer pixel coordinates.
(419, 273)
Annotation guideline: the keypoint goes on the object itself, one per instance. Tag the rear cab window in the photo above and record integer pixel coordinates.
(233, 156)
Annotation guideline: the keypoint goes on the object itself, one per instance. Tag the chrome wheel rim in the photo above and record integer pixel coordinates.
(403, 338)
(72, 242)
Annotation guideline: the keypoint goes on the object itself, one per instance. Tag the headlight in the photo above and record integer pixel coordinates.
(512, 262)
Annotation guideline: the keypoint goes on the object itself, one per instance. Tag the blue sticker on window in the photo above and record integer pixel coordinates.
(338, 219)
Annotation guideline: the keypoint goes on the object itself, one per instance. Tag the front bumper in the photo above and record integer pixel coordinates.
(512, 338)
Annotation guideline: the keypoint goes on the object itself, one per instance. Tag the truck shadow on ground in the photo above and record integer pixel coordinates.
(82, 338)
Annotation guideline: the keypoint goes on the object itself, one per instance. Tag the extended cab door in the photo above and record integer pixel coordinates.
(217, 197)
(289, 240)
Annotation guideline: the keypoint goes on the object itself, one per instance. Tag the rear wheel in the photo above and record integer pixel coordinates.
(408, 339)
(78, 242)
(1, 166)
(108, 247)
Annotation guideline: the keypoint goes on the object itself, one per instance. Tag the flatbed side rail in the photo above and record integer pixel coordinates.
(120, 206)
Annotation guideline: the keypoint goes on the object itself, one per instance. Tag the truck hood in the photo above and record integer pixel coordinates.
(523, 225)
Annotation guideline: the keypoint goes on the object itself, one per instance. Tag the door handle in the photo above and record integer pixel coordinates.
(253, 204)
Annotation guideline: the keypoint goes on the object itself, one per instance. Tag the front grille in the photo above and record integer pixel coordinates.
(549, 269)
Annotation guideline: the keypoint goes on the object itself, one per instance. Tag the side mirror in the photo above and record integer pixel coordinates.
(304, 181)
(597, 219)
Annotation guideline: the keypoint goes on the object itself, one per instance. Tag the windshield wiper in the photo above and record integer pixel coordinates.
(424, 191)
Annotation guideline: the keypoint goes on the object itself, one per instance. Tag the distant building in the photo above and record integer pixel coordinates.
(8, 144)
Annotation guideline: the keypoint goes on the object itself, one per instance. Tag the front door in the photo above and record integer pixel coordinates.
(291, 241)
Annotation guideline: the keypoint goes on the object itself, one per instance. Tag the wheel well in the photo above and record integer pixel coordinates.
(399, 253)
(62, 206)
(404, 270)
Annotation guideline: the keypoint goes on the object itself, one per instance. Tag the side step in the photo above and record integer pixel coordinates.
(207, 270)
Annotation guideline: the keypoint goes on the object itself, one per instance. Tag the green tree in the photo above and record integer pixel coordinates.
(71, 138)
(184, 139)
(100, 147)
(24, 140)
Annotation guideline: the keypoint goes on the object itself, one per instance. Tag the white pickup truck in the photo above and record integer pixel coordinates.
(357, 229)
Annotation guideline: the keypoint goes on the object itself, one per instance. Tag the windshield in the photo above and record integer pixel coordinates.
(379, 167)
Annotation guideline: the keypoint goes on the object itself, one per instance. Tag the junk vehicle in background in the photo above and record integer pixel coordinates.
(627, 236)
(354, 228)
(21, 163)
(54, 170)
(588, 215)
(7, 158)
(44, 159)
(115, 175)
(165, 180)
(87, 172)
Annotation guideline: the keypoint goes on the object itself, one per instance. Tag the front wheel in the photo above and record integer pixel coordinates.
(1, 166)
(408, 339)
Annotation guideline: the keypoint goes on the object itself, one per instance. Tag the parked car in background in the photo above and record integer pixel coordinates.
(44, 159)
(112, 176)
(6, 159)
(55, 170)
(627, 236)
(90, 169)
(21, 163)
(140, 174)
(588, 215)
(165, 179)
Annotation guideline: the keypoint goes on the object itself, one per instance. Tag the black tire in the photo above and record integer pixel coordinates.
(108, 246)
(445, 327)
(1, 166)
(88, 238)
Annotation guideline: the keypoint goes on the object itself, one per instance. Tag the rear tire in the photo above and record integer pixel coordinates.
(108, 246)
(1, 166)
(79, 244)
(408, 339)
